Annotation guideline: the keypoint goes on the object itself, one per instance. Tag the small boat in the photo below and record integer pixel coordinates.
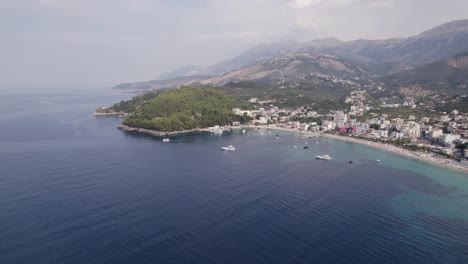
(243, 131)
(166, 140)
(378, 160)
(229, 148)
(323, 157)
(295, 146)
(306, 147)
(350, 162)
(276, 137)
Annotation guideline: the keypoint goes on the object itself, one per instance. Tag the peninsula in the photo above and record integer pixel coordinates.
(178, 111)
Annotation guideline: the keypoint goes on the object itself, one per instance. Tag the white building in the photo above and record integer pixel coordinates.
(304, 127)
(425, 119)
(327, 125)
(448, 139)
(263, 120)
(340, 118)
(397, 135)
(435, 133)
(383, 133)
(444, 118)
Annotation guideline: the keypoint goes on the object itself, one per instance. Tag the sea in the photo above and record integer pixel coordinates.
(74, 189)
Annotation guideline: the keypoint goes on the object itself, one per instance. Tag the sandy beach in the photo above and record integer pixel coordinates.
(424, 157)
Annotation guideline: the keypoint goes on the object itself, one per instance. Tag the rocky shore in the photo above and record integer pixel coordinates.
(119, 114)
(156, 133)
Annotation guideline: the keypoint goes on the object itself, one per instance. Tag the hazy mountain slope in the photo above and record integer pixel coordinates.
(262, 52)
(290, 68)
(180, 71)
(449, 75)
(380, 57)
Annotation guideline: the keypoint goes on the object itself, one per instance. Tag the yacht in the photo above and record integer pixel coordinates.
(229, 148)
(166, 140)
(323, 157)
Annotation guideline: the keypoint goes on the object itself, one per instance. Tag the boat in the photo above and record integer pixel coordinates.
(378, 160)
(166, 140)
(323, 157)
(276, 137)
(229, 148)
(243, 131)
(350, 162)
(306, 147)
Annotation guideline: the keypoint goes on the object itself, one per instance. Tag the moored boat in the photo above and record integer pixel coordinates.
(323, 157)
(229, 148)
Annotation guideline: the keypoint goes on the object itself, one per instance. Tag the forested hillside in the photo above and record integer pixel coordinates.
(181, 109)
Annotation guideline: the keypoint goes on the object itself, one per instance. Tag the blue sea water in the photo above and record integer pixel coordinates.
(74, 189)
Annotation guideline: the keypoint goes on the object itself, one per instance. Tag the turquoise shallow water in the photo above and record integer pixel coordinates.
(74, 189)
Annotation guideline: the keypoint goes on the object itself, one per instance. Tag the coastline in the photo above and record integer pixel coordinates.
(119, 114)
(428, 158)
(158, 133)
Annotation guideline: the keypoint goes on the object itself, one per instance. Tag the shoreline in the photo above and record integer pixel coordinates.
(423, 157)
(118, 114)
(158, 133)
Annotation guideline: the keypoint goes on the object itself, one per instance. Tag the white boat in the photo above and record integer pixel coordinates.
(166, 140)
(323, 157)
(243, 131)
(229, 148)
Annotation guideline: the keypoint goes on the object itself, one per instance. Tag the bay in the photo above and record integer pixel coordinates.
(74, 189)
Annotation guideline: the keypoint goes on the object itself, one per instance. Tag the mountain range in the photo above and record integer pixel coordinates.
(397, 60)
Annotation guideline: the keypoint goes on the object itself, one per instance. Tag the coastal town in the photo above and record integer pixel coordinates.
(440, 134)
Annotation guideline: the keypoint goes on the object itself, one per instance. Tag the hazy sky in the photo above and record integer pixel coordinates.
(70, 43)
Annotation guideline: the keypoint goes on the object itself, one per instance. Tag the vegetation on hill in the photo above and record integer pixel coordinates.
(318, 96)
(460, 104)
(181, 109)
(448, 76)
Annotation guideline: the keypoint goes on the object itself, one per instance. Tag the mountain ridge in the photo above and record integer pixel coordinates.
(380, 57)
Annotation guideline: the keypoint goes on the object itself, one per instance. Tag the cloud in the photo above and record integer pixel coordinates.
(112, 41)
(304, 3)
